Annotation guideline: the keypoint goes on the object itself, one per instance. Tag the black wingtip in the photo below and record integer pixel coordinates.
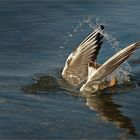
(102, 27)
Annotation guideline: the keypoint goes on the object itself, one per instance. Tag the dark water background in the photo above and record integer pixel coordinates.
(34, 42)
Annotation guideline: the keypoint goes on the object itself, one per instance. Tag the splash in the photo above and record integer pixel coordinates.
(93, 23)
(88, 22)
(55, 82)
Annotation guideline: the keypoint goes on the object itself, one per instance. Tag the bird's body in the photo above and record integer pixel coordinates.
(81, 66)
(75, 70)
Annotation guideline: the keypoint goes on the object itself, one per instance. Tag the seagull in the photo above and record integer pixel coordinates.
(75, 70)
(81, 67)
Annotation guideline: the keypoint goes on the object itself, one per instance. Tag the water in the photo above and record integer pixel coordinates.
(35, 39)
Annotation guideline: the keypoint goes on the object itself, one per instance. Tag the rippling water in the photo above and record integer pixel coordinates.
(35, 39)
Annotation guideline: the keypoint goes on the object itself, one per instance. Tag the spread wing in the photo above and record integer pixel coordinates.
(77, 63)
(88, 49)
(111, 64)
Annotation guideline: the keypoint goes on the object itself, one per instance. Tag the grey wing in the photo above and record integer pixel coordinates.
(77, 63)
(114, 62)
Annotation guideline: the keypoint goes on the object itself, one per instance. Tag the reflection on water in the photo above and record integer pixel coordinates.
(49, 82)
(36, 36)
(42, 84)
(109, 111)
(103, 104)
(55, 82)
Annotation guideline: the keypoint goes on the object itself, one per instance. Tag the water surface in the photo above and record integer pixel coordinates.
(35, 39)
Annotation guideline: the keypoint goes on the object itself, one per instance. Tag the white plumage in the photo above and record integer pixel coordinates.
(81, 66)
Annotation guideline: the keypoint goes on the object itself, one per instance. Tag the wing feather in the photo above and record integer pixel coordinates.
(112, 63)
(77, 62)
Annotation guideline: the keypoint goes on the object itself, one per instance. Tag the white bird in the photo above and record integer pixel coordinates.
(75, 70)
(81, 67)
(99, 78)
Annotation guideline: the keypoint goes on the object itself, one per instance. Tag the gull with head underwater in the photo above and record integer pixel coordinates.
(81, 67)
